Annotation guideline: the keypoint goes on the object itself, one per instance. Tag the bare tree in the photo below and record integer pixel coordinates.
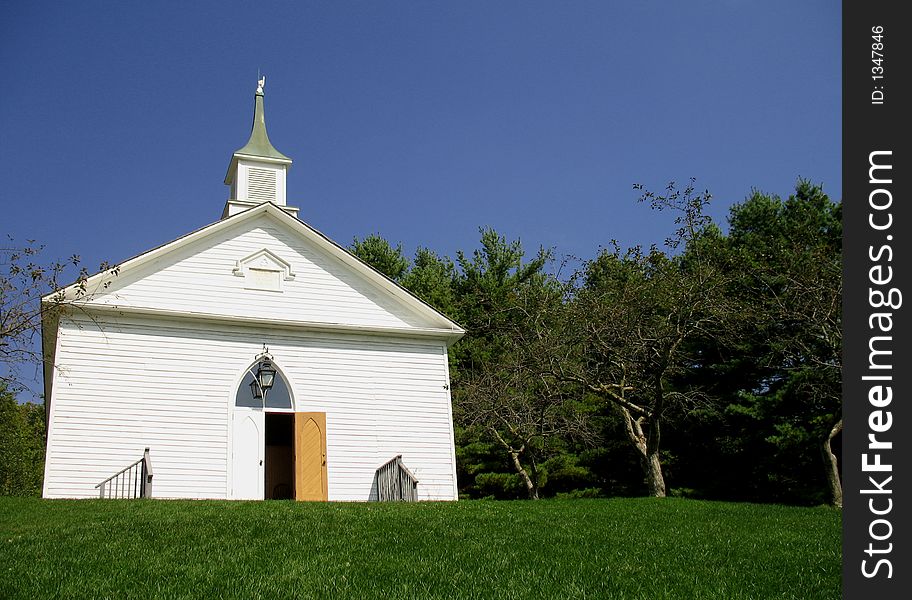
(634, 321)
(514, 399)
(24, 280)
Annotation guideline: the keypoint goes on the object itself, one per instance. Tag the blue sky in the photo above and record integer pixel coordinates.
(418, 120)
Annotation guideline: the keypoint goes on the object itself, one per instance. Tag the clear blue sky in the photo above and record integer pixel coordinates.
(417, 120)
(420, 121)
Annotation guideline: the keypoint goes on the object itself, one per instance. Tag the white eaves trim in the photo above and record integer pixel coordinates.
(453, 330)
(449, 335)
(258, 158)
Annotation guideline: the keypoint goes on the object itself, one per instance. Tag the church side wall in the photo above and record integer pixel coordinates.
(126, 384)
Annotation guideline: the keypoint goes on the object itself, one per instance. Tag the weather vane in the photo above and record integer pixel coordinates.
(261, 82)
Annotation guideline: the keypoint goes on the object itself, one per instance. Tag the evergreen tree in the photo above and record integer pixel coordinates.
(21, 446)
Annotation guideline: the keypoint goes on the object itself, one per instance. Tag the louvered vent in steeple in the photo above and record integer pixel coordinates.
(261, 185)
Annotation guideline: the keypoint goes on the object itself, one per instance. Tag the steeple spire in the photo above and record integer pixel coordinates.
(257, 170)
(259, 144)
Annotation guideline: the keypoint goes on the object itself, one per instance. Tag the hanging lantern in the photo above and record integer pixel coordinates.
(266, 374)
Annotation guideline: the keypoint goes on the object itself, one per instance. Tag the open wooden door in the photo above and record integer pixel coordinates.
(310, 456)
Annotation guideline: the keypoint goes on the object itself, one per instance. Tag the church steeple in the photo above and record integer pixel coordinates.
(257, 171)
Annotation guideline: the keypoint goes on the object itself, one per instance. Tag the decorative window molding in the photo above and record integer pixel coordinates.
(263, 270)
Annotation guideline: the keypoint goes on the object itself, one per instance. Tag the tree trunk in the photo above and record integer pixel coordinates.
(531, 488)
(654, 479)
(832, 467)
(649, 456)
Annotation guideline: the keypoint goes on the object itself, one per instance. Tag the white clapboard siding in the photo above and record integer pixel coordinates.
(124, 384)
(200, 278)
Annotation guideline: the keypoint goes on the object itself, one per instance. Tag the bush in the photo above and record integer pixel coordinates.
(592, 492)
(22, 428)
(500, 486)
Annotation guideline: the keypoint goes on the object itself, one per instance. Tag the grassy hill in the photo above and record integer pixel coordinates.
(618, 548)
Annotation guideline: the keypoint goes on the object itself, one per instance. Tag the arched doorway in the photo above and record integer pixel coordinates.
(277, 453)
(263, 441)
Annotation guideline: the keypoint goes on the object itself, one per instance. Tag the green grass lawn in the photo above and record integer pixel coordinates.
(620, 548)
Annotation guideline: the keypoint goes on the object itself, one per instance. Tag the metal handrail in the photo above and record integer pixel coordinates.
(133, 481)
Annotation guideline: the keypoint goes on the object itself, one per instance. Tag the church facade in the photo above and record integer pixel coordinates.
(254, 358)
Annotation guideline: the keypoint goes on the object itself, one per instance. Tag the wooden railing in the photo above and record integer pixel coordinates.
(133, 481)
(396, 482)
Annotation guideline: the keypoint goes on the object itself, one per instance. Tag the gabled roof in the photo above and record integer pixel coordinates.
(443, 327)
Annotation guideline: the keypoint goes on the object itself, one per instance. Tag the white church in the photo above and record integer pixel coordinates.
(253, 358)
